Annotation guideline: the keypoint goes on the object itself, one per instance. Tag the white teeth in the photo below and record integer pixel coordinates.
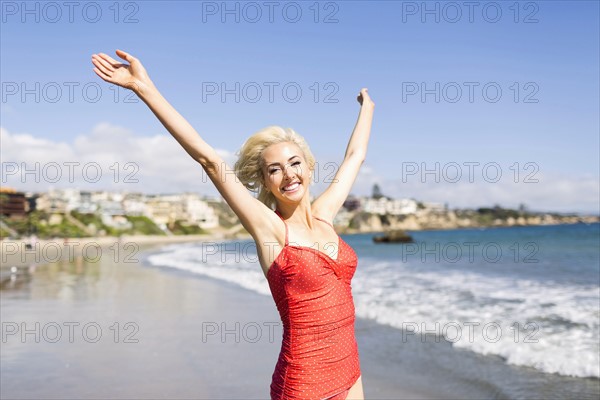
(292, 186)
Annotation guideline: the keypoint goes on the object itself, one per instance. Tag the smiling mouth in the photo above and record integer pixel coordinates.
(291, 187)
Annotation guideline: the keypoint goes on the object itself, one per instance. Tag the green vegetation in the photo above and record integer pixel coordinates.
(144, 226)
(38, 223)
(4, 233)
(376, 192)
(63, 230)
(88, 219)
(499, 213)
(140, 225)
(93, 224)
(487, 216)
(74, 225)
(181, 228)
(360, 218)
(46, 226)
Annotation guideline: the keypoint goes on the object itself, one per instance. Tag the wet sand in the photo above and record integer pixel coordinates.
(117, 328)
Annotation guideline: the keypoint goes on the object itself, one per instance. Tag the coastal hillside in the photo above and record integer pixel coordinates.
(74, 213)
(360, 221)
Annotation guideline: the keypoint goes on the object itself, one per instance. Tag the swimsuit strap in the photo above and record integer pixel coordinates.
(324, 221)
(286, 227)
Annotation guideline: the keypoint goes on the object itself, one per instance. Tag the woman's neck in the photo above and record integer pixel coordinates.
(299, 213)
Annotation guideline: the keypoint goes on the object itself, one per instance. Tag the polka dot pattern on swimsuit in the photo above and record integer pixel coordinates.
(312, 292)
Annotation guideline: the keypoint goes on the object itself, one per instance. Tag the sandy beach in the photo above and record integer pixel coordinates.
(122, 326)
(25, 252)
(117, 328)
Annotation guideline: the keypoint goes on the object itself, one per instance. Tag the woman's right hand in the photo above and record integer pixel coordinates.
(132, 76)
(364, 99)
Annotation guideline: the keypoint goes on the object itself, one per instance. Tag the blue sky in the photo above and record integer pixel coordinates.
(547, 114)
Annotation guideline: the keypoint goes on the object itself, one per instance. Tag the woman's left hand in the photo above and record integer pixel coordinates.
(364, 99)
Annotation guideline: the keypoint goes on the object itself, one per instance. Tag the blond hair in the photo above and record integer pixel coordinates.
(250, 163)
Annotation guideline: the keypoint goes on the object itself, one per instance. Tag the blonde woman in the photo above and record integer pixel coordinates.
(307, 265)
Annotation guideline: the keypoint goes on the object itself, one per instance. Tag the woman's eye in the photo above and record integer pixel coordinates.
(294, 164)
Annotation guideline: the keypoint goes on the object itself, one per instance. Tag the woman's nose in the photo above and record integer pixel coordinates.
(288, 171)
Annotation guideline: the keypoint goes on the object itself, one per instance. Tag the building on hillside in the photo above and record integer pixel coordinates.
(116, 221)
(52, 202)
(402, 206)
(386, 205)
(165, 209)
(86, 204)
(197, 211)
(434, 207)
(374, 206)
(111, 207)
(134, 204)
(13, 203)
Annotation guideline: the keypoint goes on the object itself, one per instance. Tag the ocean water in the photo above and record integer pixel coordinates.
(528, 296)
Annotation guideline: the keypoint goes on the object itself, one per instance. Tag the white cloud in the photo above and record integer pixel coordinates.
(160, 165)
(110, 157)
(552, 192)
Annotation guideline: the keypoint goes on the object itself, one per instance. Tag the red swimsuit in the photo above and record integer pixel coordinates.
(319, 354)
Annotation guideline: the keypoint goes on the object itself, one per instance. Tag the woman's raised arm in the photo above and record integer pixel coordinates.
(249, 210)
(332, 199)
(135, 77)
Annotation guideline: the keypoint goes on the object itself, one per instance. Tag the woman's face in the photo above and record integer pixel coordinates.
(285, 171)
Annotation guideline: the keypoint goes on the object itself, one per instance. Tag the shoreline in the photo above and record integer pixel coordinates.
(415, 227)
(185, 323)
(24, 252)
(179, 336)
